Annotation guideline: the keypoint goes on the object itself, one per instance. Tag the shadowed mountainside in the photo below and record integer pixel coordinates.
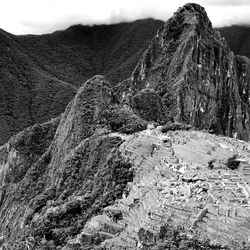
(28, 94)
(80, 52)
(65, 160)
(238, 38)
(40, 74)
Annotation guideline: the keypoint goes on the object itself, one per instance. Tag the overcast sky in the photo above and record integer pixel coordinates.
(43, 16)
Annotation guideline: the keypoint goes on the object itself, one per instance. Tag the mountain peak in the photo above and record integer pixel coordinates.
(191, 68)
(192, 8)
(192, 14)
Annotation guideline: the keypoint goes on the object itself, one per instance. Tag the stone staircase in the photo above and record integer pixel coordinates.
(246, 170)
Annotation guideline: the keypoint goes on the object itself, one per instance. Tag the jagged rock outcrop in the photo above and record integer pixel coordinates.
(199, 80)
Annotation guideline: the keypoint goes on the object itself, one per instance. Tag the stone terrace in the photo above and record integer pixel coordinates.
(173, 184)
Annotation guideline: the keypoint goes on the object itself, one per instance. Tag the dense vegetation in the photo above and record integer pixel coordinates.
(232, 162)
(175, 126)
(80, 52)
(40, 73)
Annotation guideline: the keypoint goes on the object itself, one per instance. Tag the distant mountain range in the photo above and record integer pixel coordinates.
(39, 75)
(238, 38)
(80, 52)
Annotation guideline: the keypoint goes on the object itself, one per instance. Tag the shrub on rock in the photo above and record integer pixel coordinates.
(149, 106)
(232, 163)
(124, 120)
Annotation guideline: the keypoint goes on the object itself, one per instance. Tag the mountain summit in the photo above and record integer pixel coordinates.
(198, 79)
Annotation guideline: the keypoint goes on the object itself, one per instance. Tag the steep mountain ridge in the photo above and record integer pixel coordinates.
(199, 80)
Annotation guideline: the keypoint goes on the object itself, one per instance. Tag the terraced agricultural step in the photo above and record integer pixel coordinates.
(216, 226)
(154, 207)
(229, 226)
(213, 233)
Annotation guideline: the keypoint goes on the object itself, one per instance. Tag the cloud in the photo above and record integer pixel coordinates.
(43, 16)
(227, 2)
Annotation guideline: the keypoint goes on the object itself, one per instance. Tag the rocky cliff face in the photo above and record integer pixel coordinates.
(199, 80)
